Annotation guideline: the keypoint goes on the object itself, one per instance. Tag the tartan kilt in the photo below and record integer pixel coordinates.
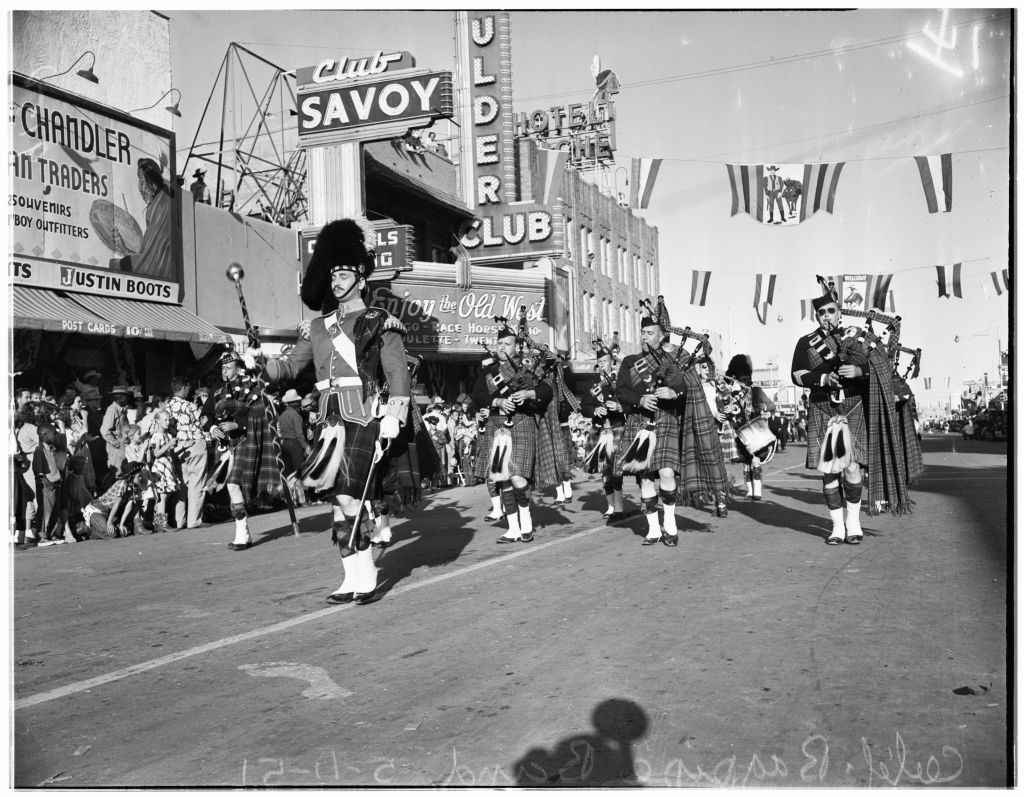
(818, 415)
(666, 440)
(553, 449)
(911, 445)
(525, 432)
(255, 468)
(702, 475)
(396, 473)
(727, 437)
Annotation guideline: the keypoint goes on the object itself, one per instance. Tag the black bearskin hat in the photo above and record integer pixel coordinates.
(740, 367)
(346, 244)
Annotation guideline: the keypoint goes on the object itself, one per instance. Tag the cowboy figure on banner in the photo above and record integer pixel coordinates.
(773, 186)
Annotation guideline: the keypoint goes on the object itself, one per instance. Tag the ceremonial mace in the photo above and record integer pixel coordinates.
(236, 274)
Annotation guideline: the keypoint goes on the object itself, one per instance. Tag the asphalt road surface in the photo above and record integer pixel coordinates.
(750, 655)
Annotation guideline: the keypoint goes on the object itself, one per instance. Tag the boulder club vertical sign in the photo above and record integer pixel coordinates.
(509, 229)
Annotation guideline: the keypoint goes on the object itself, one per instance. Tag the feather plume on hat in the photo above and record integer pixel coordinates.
(828, 291)
(346, 244)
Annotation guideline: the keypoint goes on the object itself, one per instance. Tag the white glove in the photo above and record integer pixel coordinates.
(249, 357)
(389, 427)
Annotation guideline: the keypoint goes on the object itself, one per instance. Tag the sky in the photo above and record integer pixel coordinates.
(871, 88)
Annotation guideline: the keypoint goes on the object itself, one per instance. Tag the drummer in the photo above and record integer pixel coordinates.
(752, 405)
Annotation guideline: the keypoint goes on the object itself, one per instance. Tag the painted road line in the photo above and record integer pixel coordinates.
(284, 625)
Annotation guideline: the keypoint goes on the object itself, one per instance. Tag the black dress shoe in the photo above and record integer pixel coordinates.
(527, 537)
(650, 541)
(234, 546)
(671, 540)
(721, 511)
(855, 539)
(493, 519)
(341, 597)
(370, 597)
(833, 541)
(755, 498)
(503, 540)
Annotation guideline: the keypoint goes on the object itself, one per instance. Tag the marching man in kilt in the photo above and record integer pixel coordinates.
(364, 386)
(238, 423)
(851, 419)
(648, 389)
(508, 448)
(602, 406)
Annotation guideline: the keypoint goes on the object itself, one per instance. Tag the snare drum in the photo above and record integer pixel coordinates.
(756, 437)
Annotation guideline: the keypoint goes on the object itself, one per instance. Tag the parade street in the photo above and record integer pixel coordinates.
(750, 655)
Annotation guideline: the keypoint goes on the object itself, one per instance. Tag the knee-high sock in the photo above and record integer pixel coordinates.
(834, 502)
(853, 492)
(567, 489)
(494, 491)
(523, 496)
(559, 492)
(668, 500)
(748, 477)
(650, 509)
(241, 524)
(508, 503)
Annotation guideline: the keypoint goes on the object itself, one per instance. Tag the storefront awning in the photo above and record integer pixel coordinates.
(36, 308)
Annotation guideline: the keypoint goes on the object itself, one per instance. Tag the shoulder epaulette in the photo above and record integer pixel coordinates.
(392, 324)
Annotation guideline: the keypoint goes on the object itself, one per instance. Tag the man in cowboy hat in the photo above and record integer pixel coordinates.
(773, 189)
(508, 446)
(200, 190)
(236, 418)
(293, 440)
(360, 362)
(112, 430)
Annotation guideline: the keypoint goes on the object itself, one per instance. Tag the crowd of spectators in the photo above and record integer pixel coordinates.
(91, 464)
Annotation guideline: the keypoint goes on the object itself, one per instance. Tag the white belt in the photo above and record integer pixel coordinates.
(338, 381)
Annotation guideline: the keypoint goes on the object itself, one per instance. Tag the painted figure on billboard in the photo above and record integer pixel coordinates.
(154, 257)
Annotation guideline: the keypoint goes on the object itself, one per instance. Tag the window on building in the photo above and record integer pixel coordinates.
(570, 243)
(586, 246)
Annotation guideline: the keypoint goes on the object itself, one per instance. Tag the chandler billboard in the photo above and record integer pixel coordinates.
(92, 205)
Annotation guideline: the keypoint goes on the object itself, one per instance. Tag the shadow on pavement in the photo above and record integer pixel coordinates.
(768, 513)
(601, 758)
(311, 524)
(440, 544)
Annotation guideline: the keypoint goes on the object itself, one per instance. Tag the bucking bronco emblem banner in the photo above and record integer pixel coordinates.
(783, 194)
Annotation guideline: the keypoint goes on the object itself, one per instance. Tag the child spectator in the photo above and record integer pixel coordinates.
(48, 464)
(164, 466)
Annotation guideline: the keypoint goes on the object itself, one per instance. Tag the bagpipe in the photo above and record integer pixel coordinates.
(597, 459)
(548, 363)
(686, 333)
(235, 273)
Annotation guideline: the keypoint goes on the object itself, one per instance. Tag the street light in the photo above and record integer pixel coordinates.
(86, 73)
(171, 109)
